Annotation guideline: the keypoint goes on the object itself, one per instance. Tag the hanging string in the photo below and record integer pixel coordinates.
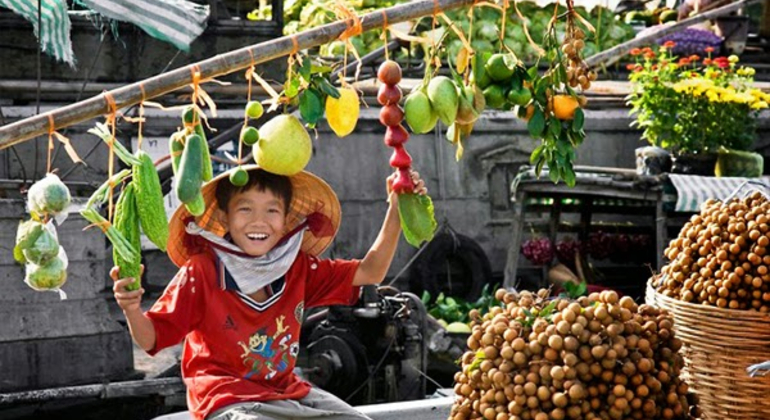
(64, 141)
(354, 28)
(141, 117)
(50, 142)
(385, 34)
(249, 77)
(111, 122)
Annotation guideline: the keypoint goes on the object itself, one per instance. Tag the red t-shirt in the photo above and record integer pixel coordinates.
(235, 348)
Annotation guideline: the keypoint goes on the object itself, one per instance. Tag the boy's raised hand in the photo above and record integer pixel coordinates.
(127, 300)
(419, 184)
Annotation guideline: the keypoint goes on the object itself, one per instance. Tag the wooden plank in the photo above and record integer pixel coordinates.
(55, 320)
(85, 280)
(44, 363)
(156, 386)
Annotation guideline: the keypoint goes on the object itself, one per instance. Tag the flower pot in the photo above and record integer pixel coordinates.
(652, 160)
(735, 31)
(695, 164)
(740, 164)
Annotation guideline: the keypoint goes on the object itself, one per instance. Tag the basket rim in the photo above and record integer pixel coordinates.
(729, 313)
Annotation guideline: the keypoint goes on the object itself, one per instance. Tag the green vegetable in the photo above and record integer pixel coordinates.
(127, 223)
(188, 185)
(417, 218)
(149, 201)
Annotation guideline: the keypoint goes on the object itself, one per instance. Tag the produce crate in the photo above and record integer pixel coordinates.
(718, 345)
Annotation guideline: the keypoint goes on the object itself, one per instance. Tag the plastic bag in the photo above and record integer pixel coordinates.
(50, 276)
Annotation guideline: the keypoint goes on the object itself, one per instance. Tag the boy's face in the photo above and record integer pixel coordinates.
(256, 220)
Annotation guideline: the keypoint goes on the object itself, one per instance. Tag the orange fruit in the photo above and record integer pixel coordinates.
(564, 107)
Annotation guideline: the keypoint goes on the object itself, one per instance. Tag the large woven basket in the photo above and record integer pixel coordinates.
(718, 345)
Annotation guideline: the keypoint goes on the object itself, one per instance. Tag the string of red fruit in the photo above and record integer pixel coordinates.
(391, 115)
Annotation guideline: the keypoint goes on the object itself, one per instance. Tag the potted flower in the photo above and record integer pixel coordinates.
(694, 106)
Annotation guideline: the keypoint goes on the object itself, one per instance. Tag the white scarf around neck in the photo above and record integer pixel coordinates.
(252, 273)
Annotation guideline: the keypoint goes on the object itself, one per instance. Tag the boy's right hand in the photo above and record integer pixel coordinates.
(127, 300)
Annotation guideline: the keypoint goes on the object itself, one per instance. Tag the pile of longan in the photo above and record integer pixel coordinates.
(600, 357)
(720, 257)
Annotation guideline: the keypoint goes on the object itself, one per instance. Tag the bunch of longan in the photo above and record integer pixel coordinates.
(720, 257)
(600, 357)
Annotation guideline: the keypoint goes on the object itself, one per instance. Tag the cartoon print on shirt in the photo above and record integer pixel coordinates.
(259, 343)
(269, 355)
(279, 328)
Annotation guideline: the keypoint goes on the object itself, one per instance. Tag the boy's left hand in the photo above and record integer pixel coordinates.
(419, 184)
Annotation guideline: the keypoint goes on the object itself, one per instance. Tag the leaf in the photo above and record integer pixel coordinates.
(575, 290)
(417, 218)
(569, 175)
(578, 120)
(291, 87)
(314, 69)
(425, 298)
(311, 106)
(553, 173)
(532, 73)
(536, 154)
(554, 126)
(536, 124)
(306, 69)
(463, 58)
(548, 310)
(326, 87)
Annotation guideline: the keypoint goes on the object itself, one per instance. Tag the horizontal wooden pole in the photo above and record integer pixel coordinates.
(219, 65)
(616, 52)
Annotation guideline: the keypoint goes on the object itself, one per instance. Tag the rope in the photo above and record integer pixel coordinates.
(51, 130)
(385, 34)
(111, 121)
(141, 117)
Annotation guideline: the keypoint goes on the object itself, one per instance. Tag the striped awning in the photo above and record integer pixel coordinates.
(54, 33)
(693, 190)
(176, 21)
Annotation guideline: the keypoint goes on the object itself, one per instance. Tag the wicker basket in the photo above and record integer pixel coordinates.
(718, 345)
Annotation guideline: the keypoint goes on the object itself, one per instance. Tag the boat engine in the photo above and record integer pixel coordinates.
(369, 353)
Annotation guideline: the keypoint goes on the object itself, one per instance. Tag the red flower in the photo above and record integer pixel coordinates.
(722, 62)
(649, 55)
(694, 57)
(669, 44)
(635, 51)
(630, 66)
(638, 68)
(684, 61)
(654, 67)
(646, 50)
(706, 61)
(709, 49)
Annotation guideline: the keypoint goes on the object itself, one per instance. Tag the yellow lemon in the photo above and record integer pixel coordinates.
(342, 113)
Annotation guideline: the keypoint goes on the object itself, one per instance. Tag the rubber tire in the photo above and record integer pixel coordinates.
(429, 270)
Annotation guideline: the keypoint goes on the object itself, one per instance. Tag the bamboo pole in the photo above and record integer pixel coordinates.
(620, 50)
(219, 65)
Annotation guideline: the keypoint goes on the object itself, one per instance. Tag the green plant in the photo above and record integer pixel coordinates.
(456, 309)
(693, 104)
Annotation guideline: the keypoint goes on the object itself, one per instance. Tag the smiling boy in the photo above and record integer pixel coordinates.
(249, 267)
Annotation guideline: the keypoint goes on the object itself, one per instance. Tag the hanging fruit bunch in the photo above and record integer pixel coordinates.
(37, 244)
(416, 211)
(554, 114)
(139, 208)
(596, 357)
(457, 101)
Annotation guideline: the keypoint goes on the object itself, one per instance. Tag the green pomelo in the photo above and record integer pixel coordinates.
(284, 146)
(419, 113)
(48, 196)
(442, 93)
(51, 275)
(44, 249)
